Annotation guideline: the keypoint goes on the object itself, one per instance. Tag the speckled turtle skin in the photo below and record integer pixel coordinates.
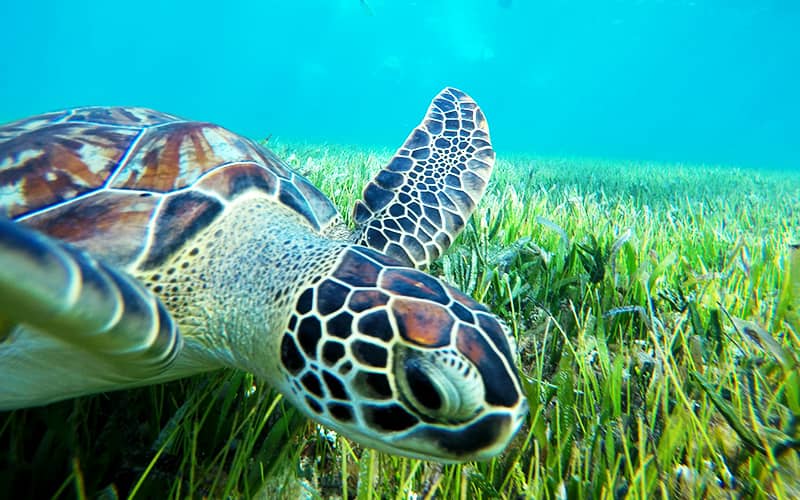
(138, 247)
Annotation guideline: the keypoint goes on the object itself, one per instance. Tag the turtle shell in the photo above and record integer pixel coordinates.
(132, 185)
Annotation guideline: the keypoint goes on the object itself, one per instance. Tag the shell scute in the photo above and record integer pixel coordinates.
(182, 216)
(20, 127)
(39, 168)
(315, 206)
(111, 224)
(79, 175)
(233, 180)
(119, 116)
(175, 155)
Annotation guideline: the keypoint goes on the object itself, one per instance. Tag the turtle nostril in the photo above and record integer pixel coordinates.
(421, 386)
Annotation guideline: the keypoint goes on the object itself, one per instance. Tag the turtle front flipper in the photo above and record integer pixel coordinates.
(416, 205)
(63, 292)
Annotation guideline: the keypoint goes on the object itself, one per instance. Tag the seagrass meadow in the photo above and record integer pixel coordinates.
(656, 309)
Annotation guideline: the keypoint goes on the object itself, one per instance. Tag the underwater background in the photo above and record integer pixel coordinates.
(712, 81)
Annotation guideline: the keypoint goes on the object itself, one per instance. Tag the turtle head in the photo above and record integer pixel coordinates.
(398, 361)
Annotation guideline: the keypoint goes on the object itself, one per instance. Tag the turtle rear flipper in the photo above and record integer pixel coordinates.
(63, 292)
(416, 206)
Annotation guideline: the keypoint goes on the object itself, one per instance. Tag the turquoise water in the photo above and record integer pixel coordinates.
(690, 81)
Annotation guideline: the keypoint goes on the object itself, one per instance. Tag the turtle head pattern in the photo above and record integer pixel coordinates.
(401, 362)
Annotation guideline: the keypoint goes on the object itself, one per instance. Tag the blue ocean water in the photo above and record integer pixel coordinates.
(692, 81)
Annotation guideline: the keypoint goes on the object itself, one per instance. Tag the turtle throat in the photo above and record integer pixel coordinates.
(233, 286)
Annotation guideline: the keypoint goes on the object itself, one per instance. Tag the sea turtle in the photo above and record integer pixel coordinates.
(139, 247)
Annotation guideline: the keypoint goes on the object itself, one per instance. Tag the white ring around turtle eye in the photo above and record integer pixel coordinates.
(440, 384)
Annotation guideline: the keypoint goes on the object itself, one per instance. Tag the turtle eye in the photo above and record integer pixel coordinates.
(438, 384)
(422, 390)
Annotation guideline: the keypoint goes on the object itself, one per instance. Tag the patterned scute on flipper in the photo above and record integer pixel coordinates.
(415, 207)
